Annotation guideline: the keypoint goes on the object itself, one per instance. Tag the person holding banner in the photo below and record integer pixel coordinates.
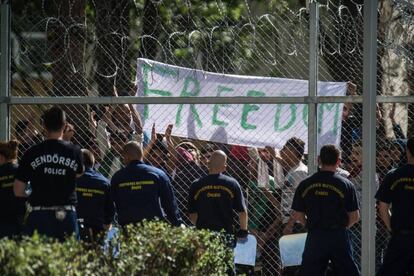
(327, 204)
(113, 130)
(397, 190)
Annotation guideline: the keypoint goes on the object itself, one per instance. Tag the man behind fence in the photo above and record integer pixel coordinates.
(330, 205)
(397, 191)
(51, 167)
(141, 191)
(289, 171)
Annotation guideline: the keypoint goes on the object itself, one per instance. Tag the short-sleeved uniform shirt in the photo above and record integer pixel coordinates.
(213, 198)
(95, 205)
(397, 189)
(325, 198)
(51, 169)
(141, 191)
(11, 207)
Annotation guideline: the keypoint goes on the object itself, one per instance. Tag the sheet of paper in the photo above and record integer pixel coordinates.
(111, 241)
(245, 251)
(291, 249)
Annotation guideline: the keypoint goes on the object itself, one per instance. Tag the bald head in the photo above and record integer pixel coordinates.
(132, 151)
(217, 162)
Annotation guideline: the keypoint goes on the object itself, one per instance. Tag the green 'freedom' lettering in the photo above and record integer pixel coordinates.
(147, 91)
(189, 93)
(305, 115)
(277, 125)
(329, 107)
(220, 89)
(248, 108)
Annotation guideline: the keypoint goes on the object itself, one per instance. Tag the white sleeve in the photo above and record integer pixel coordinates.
(262, 174)
(297, 177)
(278, 174)
(102, 137)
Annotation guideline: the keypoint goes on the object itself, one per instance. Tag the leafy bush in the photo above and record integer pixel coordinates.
(153, 248)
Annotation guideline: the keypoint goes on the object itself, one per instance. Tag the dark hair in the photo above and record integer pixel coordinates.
(410, 145)
(88, 158)
(329, 155)
(399, 145)
(9, 149)
(208, 148)
(54, 119)
(187, 145)
(119, 136)
(159, 145)
(297, 145)
(21, 126)
(384, 145)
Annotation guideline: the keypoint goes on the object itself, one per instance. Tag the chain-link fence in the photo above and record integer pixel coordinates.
(90, 48)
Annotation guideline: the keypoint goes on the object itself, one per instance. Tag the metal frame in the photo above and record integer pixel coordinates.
(176, 100)
(368, 136)
(313, 86)
(5, 69)
(199, 100)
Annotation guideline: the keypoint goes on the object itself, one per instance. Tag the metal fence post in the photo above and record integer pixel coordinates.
(5, 69)
(313, 85)
(369, 136)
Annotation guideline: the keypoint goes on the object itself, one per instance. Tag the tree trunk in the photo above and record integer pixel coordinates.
(112, 50)
(67, 41)
(150, 27)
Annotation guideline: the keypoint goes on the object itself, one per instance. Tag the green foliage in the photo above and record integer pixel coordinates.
(153, 248)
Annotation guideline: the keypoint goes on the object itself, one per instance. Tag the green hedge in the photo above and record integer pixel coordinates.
(153, 248)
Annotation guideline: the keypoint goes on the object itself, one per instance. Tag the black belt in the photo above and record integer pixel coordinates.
(52, 208)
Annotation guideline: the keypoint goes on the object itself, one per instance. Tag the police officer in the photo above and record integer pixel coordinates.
(327, 204)
(95, 207)
(397, 190)
(51, 167)
(141, 191)
(12, 208)
(213, 198)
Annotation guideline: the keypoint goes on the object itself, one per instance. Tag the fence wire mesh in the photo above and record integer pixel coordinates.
(89, 48)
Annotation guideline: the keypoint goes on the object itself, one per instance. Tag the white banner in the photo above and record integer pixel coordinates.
(241, 124)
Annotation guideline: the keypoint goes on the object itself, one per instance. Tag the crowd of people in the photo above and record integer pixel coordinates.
(124, 175)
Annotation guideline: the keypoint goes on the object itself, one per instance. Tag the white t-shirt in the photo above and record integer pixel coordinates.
(289, 185)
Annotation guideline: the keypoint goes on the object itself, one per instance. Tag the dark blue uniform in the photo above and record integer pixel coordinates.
(213, 198)
(12, 208)
(326, 198)
(398, 190)
(141, 191)
(51, 169)
(95, 206)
